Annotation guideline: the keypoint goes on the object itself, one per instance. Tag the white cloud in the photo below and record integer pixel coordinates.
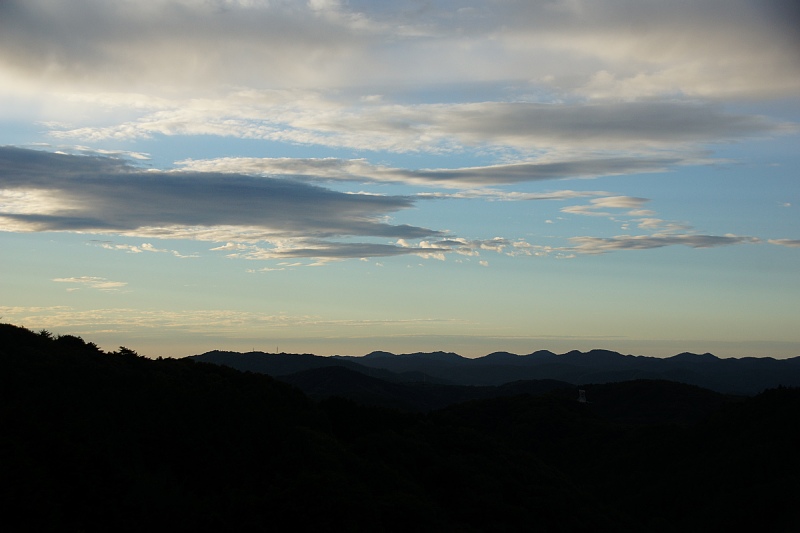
(632, 204)
(92, 282)
(265, 269)
(144, 247)
(232, 246)
(620, 202)
(663, 225)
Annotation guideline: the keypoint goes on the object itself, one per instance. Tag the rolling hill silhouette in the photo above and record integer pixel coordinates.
(325, 382)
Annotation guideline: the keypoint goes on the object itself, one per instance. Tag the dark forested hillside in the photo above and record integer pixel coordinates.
(422, 396)
(96, 441)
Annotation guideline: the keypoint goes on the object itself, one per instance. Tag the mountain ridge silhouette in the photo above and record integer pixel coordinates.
(743, 376)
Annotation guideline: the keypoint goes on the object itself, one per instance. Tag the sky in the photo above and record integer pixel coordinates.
(338, 177)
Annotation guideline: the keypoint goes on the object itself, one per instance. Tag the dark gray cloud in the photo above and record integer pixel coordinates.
(58, 192)
(128, 42)
(604, 124)
(20, 167)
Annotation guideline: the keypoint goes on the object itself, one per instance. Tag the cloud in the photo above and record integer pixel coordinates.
(694, 47)
(663, 225)
(512, 196)
(256, 217)
(332, 250)
(633, 204)
(707, 47)
(266, 218)
(92, 282)
(104, 195)
(198, 322)
(534, 90)
(600, 245)
(179, 42)
(361, 170)
(86, 150)
(791, 243)
(144, 247)
(325, 250)
(535, 171)
(620, 202)
(605, 125)
(232, 246)
(630, 128)
(595, 85)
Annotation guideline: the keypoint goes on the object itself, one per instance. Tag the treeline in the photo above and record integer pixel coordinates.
(97, 441)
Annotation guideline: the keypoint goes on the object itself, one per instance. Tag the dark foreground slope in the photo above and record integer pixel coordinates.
(96, 441)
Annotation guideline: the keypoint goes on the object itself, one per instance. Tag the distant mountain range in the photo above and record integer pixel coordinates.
(744, 376)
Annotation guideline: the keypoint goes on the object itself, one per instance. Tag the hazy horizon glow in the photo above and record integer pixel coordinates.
(340, 177)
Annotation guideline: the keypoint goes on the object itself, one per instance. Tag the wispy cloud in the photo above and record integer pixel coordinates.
(491, 194)
(144, 247)
(664, 226)
(360, 170)
(632, 204)
(198, 322)
(331, 250)
(791, 243)
(599, 245)
(92, 282)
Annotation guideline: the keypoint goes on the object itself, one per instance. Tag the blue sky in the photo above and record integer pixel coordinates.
(340, 177)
